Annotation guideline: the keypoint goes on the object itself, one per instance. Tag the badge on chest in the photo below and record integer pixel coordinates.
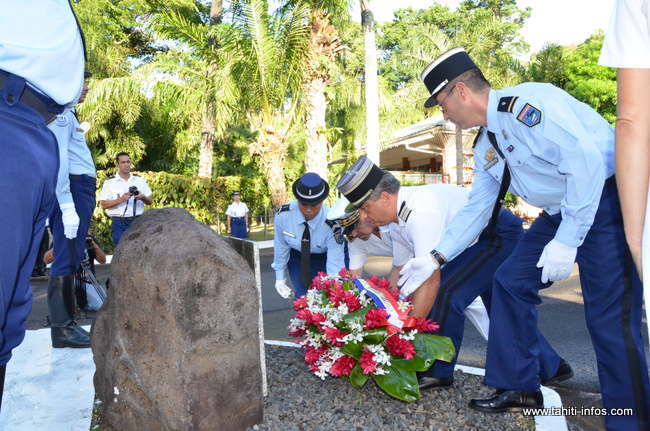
(491, 158)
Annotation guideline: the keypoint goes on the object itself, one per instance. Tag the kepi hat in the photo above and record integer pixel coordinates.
(443, 70)
(310, 189)
(358, 182)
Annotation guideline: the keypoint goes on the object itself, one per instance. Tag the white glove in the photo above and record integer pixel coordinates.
(70, 220)
(557, 261)
(282, 289)
(414, 273)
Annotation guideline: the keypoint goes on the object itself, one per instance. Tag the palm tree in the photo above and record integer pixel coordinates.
(270, 54)
(371, 86)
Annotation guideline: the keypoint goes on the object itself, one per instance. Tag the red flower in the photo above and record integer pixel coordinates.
(367, 361)
(300, 303)
(312, 354)
(333, 334)
(398, 346)
(342, 366)
(304, 314)
(345, 273)
(426, 325)
(352, 301)
(383, 283)
(336, 295)
(317, 319)
(375, 318)
(313, 367)
(374, 280)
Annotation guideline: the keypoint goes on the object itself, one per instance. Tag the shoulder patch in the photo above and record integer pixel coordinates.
(404, 212)
(476, 138)
(529, 115)
(506, 104)
(283, 208)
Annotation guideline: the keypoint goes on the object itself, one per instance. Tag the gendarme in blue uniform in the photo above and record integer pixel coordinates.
(41, 69)
(560, 155)
(326, 254)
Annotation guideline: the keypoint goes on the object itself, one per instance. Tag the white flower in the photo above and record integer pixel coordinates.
(403, 305)
(410, 335)
(381, 357)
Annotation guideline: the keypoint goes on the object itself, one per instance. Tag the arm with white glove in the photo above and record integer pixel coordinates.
(556, 261)
(70, 220)
(282, 289)
(415, 273)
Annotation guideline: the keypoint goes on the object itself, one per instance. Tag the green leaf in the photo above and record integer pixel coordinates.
(374, 336)
(352, 349)
(357, 378)
(415, 364)
(400, 384)
(358, 316)
(430, 346)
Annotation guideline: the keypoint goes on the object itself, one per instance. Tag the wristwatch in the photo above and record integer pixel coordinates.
(439, 257)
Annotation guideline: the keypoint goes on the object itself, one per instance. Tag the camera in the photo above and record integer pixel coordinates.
(133, 190)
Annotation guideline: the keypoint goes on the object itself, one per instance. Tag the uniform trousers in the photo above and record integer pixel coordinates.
(238, 227)
(119, 225)
(471, 274)
(318, 264)
(612, 301)
(29, 161)
(82, 188)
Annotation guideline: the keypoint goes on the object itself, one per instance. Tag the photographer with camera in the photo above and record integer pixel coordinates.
(124, 196)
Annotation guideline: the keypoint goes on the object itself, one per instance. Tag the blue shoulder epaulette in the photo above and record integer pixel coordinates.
(506, 104)
(283, 208)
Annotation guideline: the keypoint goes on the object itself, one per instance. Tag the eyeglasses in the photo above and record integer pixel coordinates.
(444, 100)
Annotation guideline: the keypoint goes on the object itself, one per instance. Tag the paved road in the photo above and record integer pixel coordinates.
(561, 319)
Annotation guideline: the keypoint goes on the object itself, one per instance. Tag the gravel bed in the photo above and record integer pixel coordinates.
(298, 400)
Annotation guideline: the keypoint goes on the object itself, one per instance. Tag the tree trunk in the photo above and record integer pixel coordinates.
(316, 156)
(271, 146)
(216, 11)
(207, 143)
(460, 169)
(372, 88)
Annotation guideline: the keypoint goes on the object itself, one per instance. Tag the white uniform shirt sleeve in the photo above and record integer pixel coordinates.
(280, 247)
(143, 187)
(627, 42)
(62, 129)
(107, 194)
(402, 250)
(358, 250)
(230, 211)
(246, 210)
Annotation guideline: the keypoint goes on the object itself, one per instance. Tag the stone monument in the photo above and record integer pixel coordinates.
(176, 346)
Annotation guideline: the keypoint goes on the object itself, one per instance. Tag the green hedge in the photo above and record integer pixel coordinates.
(206, 199)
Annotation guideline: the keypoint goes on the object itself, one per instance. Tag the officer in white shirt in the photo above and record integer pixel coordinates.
(237, 212)
(41, 72)
(418, 217)
(124, 196)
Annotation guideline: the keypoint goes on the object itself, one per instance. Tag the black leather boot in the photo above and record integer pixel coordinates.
(61, 302)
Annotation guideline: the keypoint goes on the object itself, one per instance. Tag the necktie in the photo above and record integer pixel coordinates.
(505, 183)
(305, 257)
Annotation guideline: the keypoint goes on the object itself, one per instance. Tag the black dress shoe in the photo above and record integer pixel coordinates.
(69, 336)
(509, 401)
(564, 372)
(435, 382)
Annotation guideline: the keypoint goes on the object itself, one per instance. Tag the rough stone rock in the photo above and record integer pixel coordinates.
(176, 346)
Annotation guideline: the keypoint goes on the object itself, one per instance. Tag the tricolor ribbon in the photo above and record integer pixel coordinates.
(397, 319)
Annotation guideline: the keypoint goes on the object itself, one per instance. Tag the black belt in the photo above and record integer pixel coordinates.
(46, 107)
(124, 218)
